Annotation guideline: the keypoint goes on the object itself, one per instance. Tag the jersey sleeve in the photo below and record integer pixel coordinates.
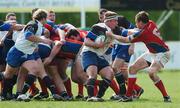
(95, 32)
(5, 26)
(137, 37)
(30, 30)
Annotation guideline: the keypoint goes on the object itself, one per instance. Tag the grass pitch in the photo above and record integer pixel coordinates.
(151, 98)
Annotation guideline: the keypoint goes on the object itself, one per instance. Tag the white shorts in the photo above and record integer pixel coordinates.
(162, 58)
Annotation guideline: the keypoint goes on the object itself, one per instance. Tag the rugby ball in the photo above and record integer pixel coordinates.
(100, 38)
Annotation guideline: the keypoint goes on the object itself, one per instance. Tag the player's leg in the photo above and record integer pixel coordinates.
(46, 79)
(90, 63)
(79, 76)
(107, 75)
(22, 74)
(155, 67)
(13, 64)
(118, 62)
(139, 64)
(53, 72)
(62, 66)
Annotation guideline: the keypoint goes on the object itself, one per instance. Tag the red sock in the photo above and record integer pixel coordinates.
(161, 87)
(95, 90)
(67, 85)
(80, 89)
(97, 82)
(33, 88)
(114, 86)
(131, 82)
(43, 86)
(137, 87)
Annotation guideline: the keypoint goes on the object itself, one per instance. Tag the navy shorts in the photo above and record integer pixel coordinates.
(90, 58)
(44, 50)
(1, 55)
(8, 43)
(121, 52)
(16, 58)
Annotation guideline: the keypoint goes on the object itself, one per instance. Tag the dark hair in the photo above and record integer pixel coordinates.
(10, 14)
(51, 11)
(142, 16)
(40, 14)
(73, 32)
(102, 10)
(33, 10)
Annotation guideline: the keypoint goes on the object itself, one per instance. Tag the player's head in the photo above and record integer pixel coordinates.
(101, 14)
(141, 19)
(40, 15)
(73, 34)
(51, 16)
(111, 19)
(11, 18)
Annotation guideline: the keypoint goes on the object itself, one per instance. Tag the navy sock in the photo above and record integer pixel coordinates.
(104, 84)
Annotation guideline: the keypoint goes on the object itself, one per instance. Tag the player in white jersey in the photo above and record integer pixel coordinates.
(95, 45)
(24, 54)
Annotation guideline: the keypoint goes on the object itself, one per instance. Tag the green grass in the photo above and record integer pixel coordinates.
(150, 99)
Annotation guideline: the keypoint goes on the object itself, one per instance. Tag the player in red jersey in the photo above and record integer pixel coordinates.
(156, 57)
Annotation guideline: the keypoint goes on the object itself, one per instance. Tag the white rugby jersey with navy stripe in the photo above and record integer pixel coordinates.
(99, 29)
(25, 45)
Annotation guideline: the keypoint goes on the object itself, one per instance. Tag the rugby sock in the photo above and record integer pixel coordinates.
(95, 89)
(29, 81)
(6, 85)
(103, 87)
(80, 89)
(137, 87)
(33, 89)
(161, 87)
(114, 86)
(49, 84)
(130, 86)
(90, 87)
(67, 85)
(43, 86)
(121, 81)
(13, 82)
(97, 82)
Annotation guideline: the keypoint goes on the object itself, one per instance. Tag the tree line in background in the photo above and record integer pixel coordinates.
(170, 30)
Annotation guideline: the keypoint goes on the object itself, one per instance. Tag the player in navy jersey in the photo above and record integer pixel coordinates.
(155, 59)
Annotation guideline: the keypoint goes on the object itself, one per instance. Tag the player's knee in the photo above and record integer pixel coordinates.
(74, 79)
(8, 75)
(109, 75)
(152, 74)
(132, 69)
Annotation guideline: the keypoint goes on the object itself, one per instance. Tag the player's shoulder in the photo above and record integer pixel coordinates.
(32, 25)
(99, 28)
(151, 25)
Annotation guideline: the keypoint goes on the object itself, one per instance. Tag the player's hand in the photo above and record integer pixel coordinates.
(47, 41)
(131, 50)
(100, 45)
(63, 41)
(47, 61)
(109, 33)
